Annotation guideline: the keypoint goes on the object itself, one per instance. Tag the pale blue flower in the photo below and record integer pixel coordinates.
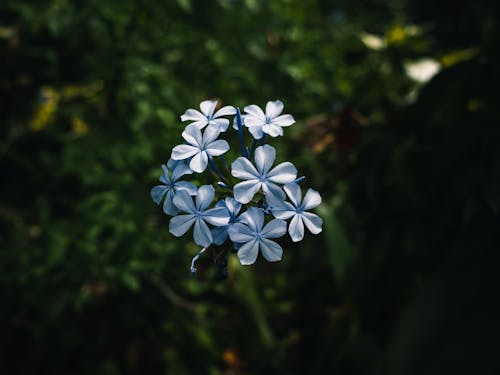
(261, 175)
(171, 185)
(199, 214)
(207, 115)
(254, 236)
(270, 122)
(220, 234)
(297, 211)
(199, 147)
(258, 185)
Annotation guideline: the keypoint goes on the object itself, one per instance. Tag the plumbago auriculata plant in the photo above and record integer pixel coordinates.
(255, 197)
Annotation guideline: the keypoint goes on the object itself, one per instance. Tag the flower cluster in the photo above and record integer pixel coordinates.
(247, 207)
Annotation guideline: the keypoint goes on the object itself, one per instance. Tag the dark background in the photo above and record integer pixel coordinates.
(404, 278)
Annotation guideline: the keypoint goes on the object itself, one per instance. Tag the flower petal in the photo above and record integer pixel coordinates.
(273, 109)
(184, 202)
(313, 222)
(216, 216)
(165, 176)
(192, 115)
(294, 193)
(254, 218)
(208, 107)
(228, 110)
(172, 164)
(186, 186)
(283, 173)
(180, 224)
(311, 200)
(220, 203)
(283, 214)
(274, 229)
(244, 191)
(251, 121)
(239, 232)
(201, 234)
(217, 148)
(192, 135)
(199, 162)
(182, 152)
(248, 252)
(272, 129)
(273, 192)
(254, 110)
(210, 134)
(271, 250)
(180, 170)
(278, 202)
(200, 124)
(284, 120)
(219, 234)
(256, 132)
(158, 192)
(233, 206)
(296, 228)
(220, 123)
(204, 196)
(168, 204)
(243, 169)
(264, 158)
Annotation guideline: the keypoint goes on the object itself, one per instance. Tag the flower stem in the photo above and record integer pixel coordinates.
(225, 164)
(300, 179)
(195, 258)
(214, 167)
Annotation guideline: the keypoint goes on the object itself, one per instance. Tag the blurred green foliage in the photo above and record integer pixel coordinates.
(402, 280)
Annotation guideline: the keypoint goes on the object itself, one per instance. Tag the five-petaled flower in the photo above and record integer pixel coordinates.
(261, 175)
(207, 115)
(253, 235)
(297, 211)
(200, 147)
(199, 214)
(270, 122)
(171, 185)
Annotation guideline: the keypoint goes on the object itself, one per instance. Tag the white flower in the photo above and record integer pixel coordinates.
(297, 211)
(270, 123)
(254, 236)
(199, 214)
(261, 175)
(207, 116)
(199, 147)
(171, 173)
